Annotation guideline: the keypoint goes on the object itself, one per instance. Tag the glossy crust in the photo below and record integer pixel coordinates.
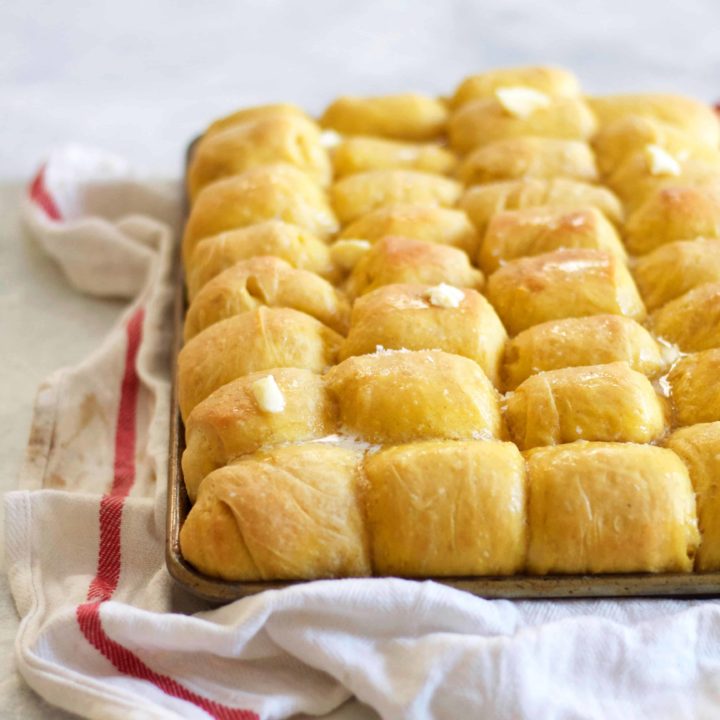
(609, 508)
(481, 202)
(634, 181)
(292, 513)
(696, 119)
(230, 422)
(560, 284)
(430, 223)
(280, 139)
(400, 117)
(673, 269)
(298, 247)
(692, 321)
(443, 508)
(398, 397)
(259, 112)
(674, 213)
(514, 234)
(479, 122)
(529, 157)
(256, 340)
(360, 154)
(359, 194)
(268, 192)
(402, 316)
(548, 80)
(573, 342)
(402, 260)
(698, 447)
(695, 388)
(266, 281)
(616, 142)
(596, 402)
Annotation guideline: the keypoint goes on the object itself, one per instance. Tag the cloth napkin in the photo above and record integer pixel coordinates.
(106, 634)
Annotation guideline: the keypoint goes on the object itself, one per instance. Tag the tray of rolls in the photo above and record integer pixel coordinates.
(472, 339)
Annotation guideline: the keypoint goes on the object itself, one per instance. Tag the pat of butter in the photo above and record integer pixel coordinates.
(661, 162)
(268, 395)
(445, 296)
(346, 253)
(521, 102)
(330, 139)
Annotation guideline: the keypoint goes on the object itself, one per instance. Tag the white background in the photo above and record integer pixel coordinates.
(140, 77)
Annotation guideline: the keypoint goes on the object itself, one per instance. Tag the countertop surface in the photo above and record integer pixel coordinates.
(140, 78)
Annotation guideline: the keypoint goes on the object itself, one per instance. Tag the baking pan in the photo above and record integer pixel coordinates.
(516, 586)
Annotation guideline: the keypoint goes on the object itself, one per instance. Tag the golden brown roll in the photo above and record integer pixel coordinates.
(609, 508)
(692, 321)
(573, 342)
(430, 223)
(269, 192)
(528, 157)
(695, 388)
(616, 142)
(400, 117)
(481, 202)
(256, 340)
(298, 247)
(398, 397)
(675, 213)
(237, 419)
(479, 122)
(280, 139)
(359, 194)
(259, 112)
(266, 281)
(360, 154)
(514, 234)
(596, 402)
(443, 508)
(402, 260)
(549, 80)
(673, 269)
(425, 317)
(561, 284)
(291, 513)
(641, 177)
(698, 447)
(696, 119)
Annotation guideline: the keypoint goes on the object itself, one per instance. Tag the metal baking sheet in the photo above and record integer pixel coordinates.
(517, 586)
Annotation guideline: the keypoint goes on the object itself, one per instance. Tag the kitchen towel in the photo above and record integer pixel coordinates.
(106, 634)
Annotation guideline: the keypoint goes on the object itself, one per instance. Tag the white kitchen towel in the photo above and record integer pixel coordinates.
(105, 633)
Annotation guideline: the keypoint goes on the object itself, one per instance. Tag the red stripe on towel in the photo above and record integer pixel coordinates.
(106, 580)
(41, 197)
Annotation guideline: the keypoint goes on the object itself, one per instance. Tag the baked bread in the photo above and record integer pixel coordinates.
(430, 223)
(560, 284)
(296, 246)
(528, 157)
(425, 317)
(360, 154)
(596, 402)
(259, 339)
(441, 508)
(393, 397)
(531, 231)
(609, 508)
(573, 342)
(698, 446)
(359, 400)
(400, 117)
(291, 513)
(481, 202)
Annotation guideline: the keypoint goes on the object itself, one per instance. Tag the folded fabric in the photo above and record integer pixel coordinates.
(106, 634)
